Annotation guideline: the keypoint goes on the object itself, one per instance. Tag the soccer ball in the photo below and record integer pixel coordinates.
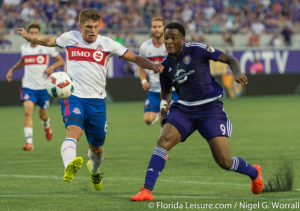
(59, 85)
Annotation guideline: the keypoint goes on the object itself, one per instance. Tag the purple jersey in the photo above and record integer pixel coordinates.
(190, 74)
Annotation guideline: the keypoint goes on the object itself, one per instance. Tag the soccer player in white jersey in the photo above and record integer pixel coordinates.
(87, 56)
(154, 49)
(35, 60)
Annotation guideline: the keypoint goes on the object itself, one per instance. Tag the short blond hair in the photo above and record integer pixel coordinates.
(157, 19)
(87, 14)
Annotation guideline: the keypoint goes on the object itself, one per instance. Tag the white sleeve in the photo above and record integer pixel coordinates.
(61, 40)
(53, 52)
(141, 52)
(22, 50)
(116, 49)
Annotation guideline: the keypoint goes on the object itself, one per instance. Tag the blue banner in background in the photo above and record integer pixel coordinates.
(273, 61)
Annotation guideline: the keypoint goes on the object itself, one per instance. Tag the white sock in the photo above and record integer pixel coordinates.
(68, 150)
(46, 123)
(95, 161)
(28, 134)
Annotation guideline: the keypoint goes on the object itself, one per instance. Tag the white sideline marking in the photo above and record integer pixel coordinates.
(157, 197)
(131, 179)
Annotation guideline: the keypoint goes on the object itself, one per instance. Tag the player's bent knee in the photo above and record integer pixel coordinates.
(97, 150)
(166, 141)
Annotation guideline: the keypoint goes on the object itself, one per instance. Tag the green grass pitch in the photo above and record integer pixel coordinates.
(265, 131)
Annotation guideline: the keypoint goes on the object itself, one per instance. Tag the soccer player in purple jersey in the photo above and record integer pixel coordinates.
(199, 108)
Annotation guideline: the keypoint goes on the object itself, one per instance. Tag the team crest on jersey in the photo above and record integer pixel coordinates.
(26, 97)
(76, 44)
(187, 59)
(40, 59)
(147, 102)
(170, 69)
(98, 55)
(76, 111)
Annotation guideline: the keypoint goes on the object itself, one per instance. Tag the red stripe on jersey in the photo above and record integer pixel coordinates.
(86, 54)
(35, 59)
(156, 58)
(67, 110)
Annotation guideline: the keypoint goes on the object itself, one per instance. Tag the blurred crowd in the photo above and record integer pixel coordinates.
(281, 18)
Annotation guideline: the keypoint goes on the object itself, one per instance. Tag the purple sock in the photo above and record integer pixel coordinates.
(242, 167)
(156, 165)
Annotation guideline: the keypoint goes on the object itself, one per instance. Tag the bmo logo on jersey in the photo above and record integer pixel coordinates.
(35, 59)
(86, 54)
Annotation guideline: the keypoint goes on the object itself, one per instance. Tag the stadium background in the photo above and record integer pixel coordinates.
(265, 31)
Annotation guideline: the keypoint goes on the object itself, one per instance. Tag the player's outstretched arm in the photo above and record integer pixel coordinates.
(18, 65)
(235, 67)
(143, 77)
(59, 62)
(40, 39)
(142, 61)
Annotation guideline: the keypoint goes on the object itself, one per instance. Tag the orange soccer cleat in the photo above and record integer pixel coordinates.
(48, 133)
(143, 195)
(257, 183)
(28, 147)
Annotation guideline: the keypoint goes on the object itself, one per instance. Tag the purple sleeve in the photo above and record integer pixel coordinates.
(165, 81)
(209, 52)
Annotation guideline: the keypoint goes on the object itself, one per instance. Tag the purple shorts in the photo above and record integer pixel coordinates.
(209, 119)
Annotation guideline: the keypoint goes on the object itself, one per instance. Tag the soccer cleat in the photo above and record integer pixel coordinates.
(28, 147)
(143, 195)
(72, 168)
(48, 133)
(257, 183)
(97, 179)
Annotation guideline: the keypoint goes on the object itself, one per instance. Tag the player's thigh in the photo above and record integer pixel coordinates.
(95, 125)
(73, 112)
(74, 131)
(95, 129)
(152, 102)
(43, 99)
(180, 120)
(214, 122)
(28, 95)
(28, 107)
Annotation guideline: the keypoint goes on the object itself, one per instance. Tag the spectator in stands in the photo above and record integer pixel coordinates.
(4, 42)
(287, 33)
(254, 40)
(275, 40)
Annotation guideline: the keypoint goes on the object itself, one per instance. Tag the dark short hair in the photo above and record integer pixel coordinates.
(175, 25)
(34, 26)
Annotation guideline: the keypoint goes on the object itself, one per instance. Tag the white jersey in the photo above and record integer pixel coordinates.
(36, 61)
(87, 62)
(156, 55)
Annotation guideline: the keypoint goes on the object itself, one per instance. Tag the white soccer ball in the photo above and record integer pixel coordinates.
(59, 85)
